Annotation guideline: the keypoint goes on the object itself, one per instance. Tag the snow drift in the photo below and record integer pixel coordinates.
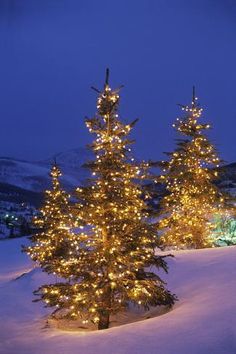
(203, 321)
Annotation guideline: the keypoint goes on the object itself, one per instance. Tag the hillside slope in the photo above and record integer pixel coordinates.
(202, 322)
(34, 175)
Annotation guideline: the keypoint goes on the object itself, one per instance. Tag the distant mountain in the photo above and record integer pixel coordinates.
(12, 194)
(228, 173)
(34, 175)
(22, 180)
(71, 163)
(227, 178)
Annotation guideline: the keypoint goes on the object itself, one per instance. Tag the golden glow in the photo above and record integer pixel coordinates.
(105, 261)
(192, 198)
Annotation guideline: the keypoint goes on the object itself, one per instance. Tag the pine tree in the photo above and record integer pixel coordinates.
(192, 197)
(53, 242)
(111, 267)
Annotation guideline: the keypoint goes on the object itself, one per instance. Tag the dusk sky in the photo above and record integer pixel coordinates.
(52, 51)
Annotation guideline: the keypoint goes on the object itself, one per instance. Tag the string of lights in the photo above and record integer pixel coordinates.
(107, 262)
(192, 198)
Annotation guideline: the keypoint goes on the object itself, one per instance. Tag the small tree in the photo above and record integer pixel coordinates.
(53, 243)
(192, 197)
(111, 265)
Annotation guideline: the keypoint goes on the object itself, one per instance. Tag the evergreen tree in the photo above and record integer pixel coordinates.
(111, 266)
(192, 197)
(53, 242)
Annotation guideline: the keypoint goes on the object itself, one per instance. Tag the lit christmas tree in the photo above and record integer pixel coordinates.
(110, 266)
(192, 198)
(53, 243)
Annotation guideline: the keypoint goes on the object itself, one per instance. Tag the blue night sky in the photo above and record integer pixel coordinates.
(52, 51)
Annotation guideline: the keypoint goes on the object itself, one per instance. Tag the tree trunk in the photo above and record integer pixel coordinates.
(104, 316)
(104, 320)
(104, 313)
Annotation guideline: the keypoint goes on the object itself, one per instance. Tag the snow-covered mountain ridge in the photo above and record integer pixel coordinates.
(34, 175)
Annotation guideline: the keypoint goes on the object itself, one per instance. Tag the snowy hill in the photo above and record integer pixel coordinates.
(228, 172)
(23, 174)
(22, 182)
(34, 176)
(71, 162)
(228, 178)
(203, 321)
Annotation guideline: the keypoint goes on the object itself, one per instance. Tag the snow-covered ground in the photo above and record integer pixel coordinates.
(202, 322)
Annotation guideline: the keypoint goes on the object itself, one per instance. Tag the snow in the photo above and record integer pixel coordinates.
(203, 321)
(34, 175)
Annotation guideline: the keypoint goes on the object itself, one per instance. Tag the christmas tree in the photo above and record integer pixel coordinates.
(110, 267)
(192, 198)
(53, 242)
